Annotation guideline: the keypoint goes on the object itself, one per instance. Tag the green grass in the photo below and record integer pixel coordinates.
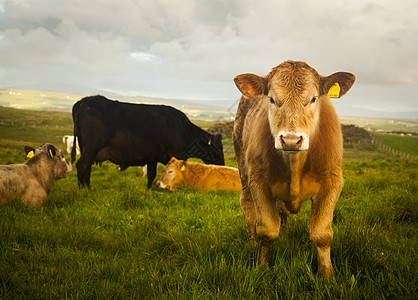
(356, 154)
(37, 100)
(405, 144)
(383, 124)
(120, 240)
(27, 127)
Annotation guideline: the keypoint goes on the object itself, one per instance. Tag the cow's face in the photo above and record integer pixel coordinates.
(214, 150)
(55, 158)
(173, 175)
(291, 94)
(208, 148)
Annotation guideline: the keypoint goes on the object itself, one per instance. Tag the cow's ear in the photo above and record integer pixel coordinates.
(337, 84)
(30, 152)
(251, 85)
(52, 151)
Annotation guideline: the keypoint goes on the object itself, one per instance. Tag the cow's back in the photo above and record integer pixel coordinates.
(131, 134)
(220, 178)
(11, 181)
(210, 177)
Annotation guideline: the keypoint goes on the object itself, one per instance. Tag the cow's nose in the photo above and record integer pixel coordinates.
(159, 183)
(291, 141)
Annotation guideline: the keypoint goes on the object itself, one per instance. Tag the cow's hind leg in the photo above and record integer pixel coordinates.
(283, 212)
(35, 196)
(320, 228)
(151, 173)
(83, 171)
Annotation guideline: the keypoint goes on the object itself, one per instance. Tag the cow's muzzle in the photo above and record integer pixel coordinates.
(292, 141)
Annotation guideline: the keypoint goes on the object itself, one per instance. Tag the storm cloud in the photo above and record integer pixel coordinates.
(192, 49)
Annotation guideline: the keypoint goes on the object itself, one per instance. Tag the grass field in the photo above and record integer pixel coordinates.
(405, 144)
(119, 240)
(383, 124)
(37, 100)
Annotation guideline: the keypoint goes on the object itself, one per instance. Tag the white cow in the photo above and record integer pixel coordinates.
(144, 170)
(68, 141)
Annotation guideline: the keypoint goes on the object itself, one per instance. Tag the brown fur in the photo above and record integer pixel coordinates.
(32, 180)
(179, 173)
(276, 182)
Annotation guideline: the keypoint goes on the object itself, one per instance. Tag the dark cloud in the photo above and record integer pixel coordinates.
(193, 48)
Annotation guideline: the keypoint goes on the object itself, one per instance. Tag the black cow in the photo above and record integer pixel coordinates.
(130, 134)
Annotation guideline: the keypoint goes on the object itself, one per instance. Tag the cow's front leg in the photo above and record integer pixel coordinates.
(152, 172)
(268, 219)
(320, 227)
(248, 209)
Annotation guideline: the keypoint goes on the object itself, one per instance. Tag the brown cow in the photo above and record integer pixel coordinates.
(288, 144)
(179, 173)
(32, 180)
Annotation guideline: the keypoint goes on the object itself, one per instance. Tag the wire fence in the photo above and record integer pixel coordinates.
(385, 148)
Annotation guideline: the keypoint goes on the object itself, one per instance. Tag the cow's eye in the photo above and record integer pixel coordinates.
(170, 171)
(314, 99)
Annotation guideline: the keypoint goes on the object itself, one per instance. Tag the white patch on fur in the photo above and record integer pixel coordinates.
(161, 184)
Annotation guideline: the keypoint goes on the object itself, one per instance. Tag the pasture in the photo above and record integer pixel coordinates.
(120, 240)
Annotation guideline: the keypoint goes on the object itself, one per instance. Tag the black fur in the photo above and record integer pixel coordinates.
(137, 134)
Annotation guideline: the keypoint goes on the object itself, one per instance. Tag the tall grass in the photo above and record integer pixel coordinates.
(120, 240)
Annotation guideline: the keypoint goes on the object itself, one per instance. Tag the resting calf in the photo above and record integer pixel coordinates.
(32, 180)
(179, 173)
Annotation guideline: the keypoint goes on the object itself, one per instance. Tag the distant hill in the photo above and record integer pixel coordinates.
(217, 110)
(63, 88)
(63, 101)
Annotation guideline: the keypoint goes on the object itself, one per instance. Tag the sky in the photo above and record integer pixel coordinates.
(192, 49)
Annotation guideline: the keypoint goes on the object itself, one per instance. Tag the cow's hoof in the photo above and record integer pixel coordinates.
(326, 272)
(263, 256)
(250, 245)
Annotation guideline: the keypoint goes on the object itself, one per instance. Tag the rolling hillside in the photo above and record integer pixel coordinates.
(198, 110)
(59, 101)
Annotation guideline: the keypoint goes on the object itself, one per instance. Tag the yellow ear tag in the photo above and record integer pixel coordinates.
(209, 142)
(50, 153)
(334, 91)
(183, 168)
(30, 154)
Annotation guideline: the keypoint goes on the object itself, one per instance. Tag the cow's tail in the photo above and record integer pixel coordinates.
(76, 122)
